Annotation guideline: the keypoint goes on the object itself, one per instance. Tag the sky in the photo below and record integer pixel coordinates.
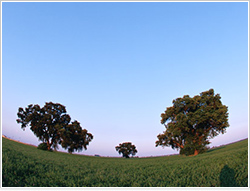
(117, 66)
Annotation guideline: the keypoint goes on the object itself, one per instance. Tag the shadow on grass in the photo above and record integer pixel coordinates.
(227, 178)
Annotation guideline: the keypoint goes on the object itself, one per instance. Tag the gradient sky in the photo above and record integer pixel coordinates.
(116, 66)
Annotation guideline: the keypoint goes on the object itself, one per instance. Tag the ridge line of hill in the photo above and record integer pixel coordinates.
(3, 136)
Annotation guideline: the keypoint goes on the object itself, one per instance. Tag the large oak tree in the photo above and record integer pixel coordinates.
(191, 122)
(52, 126)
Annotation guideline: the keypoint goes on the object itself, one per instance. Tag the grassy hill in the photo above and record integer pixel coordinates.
(24, 165)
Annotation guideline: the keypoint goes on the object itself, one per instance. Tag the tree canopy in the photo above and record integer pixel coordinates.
(52, 126)
(126, 149)
(190, 122)
(73, 137)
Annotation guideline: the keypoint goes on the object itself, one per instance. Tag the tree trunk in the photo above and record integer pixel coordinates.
(48, 145)
(196, 152)
(125, 155)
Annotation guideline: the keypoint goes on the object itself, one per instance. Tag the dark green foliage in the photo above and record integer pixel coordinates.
(24, 165)
(51, 125)
(190, 122)
(42, 146)
(126, 149)
(74, 138)
(190, 149)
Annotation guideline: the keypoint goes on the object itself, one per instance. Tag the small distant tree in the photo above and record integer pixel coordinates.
(190, 122)
(126, 149)
(51, 124)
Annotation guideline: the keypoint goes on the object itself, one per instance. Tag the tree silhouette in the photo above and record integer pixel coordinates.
(74, 138)
(126, 149)
(52, 126)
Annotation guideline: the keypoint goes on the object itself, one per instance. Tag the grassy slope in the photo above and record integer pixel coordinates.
(24, 165)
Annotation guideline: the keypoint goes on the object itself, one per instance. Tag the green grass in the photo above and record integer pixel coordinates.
(24, 165)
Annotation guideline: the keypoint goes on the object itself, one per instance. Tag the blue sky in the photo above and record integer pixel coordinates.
(117, 66)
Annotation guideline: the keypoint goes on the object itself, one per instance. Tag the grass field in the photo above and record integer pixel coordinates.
(24, 165)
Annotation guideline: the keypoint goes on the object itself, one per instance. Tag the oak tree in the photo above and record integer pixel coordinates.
(50, 124)
(191, 122)
(126, 149)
